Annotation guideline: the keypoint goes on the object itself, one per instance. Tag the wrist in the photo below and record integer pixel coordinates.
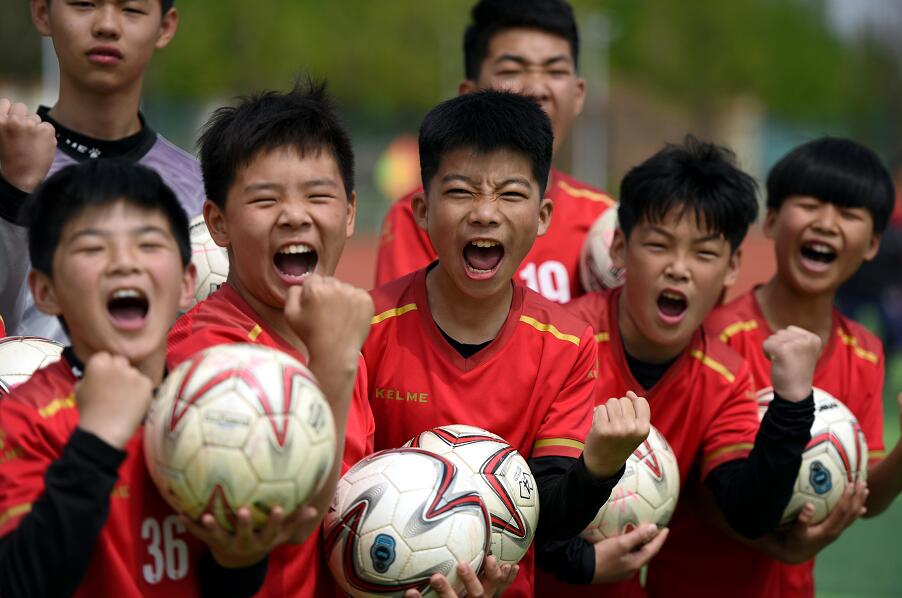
(232, 561)
(112, 436)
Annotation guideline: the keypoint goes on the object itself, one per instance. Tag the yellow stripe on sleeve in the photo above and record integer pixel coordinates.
(714, 365)
(586, 194)
(558, 442)
(742, 446)
(57, 405)
(13, 512)
(851, 341)
(254, 333)
(876, 455)
(551, 329)
(734, 329)
(602, 337)
(391, 313)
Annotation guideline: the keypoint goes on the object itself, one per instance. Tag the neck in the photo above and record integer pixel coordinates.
(464, 318)
(784, 306)
(640, 346)
(102, 115)
(274, 317)
(153, 366)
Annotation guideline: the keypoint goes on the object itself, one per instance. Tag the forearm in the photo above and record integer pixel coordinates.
(11, 201)
(571, 561)
(217, 581)
(884, 482)
(49, 552)
(753, 492)
(569, 496)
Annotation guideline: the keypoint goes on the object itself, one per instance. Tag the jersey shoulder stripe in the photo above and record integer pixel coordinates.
(736, 328)
(57, 405)
(862, 342)
(393, 313)
(712, 363)
(551, 329)
(584, 192)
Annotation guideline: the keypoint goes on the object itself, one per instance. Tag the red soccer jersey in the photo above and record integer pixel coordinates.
(143, 549)
(224, 317)
(533, 385)
(550, 268)
(705, 407)
(2, 328)
(851, 369)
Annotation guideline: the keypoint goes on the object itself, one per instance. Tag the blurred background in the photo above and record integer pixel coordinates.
(760, 76)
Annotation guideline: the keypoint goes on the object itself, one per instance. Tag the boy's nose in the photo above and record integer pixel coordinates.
(106, 22)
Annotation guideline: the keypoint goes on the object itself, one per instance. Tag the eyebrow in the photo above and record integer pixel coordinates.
(97, 232)
(523, 61)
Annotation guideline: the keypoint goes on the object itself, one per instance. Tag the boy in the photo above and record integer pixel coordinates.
(683, 214)
(458, 343)
(531, 47)
(828, 201)
(103, 48)
(79, 513)
(279, 175)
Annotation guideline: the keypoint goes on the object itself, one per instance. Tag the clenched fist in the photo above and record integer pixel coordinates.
(27, 146)
(112, 398)
(618, 428)
(793, 352)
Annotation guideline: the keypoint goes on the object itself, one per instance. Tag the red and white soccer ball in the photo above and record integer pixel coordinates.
(596, 271)
(22, 356)
(836, 456)
(400, 516)
(647, 492)
(210, 260)
(239, 425)
(502, 477)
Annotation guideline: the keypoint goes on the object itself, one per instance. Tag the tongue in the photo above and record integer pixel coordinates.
(295, 264)
(483, 258)
(671, 307)
(127, 311)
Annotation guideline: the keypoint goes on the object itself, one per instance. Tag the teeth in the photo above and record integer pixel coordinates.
(674, 296)
(296, 249)
(126, 294)
(483, 243)
(820, 248)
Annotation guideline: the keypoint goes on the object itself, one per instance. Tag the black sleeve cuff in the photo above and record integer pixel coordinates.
(218, 581)
(571, 561)
(791, 417)
(88, 447)
(11, 201)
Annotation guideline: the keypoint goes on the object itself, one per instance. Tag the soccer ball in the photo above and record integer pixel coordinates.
(595, 269)
(502, 477)
(239, 425)
(22, 356)
(211, 260)
(647, 492)
(836, 456)
(400, 516)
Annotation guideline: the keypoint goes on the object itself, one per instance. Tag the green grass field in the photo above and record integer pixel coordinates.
(867, 560)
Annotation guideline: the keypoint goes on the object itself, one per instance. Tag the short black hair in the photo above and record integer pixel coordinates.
(695, 176)
(837, 171)
(63, 196)
(492, 16)
(485, 121)
(302, 119)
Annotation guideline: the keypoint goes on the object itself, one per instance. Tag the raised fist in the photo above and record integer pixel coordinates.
(27, 146)
(793, 352)
(618, 428)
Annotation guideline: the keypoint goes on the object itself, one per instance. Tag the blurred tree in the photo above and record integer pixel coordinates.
(20, 46)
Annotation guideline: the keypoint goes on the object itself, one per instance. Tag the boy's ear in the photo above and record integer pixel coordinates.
(43, 293)
(40, 16)
(873, 248)
(546, 207)
(466, 86)
(189, 281)
(418, 205)
(733, 268)
(770, 223)
(580, 96)
(168, 25)
(352, 214)
(216, 224)
(618, 249)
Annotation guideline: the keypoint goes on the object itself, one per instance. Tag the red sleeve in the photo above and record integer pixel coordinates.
(2, 328)
(403, 247)
(566, 424)
(25, 455)
(732, 428)
(869, 411)
(185, 340)
(361, 431)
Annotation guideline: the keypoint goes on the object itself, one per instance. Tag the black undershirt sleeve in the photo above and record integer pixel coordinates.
(11, 201)
(753, 492)
(217, 581)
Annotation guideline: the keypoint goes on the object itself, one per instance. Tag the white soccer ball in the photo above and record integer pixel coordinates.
(647, 492)
(400, 516)
(836, 456)
(502, 477)
(596, 271)
(239, 425)
(22, 356)
(211, 260)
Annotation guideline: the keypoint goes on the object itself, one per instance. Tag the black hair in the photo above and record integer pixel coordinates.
(65, 195)
(489, 17)
(302, 119)
(696, 177)
(837, 171)
(485, 121)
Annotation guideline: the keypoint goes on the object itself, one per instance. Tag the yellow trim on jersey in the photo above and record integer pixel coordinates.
(551, 329)
(851, 341)
(254, 333)
(602, 337)
(876, 455)
(57, 405)
(391, 313)
(14, 511)
(586, 194)
(734, 329)
(558, 442)
(741, 446)
(714, 365)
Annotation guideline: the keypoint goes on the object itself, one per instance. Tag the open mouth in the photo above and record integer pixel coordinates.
(482, 257)
(672, 306)
(128, 308)
(295, 262)
(818, 256)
